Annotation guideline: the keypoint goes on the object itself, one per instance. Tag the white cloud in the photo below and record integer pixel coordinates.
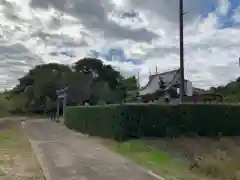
(223, 7)
(236, 15)
(34, 32)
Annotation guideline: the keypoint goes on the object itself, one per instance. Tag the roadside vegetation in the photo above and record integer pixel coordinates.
(92, 82)
(89, 80)
(10, 106)
(191, 141)
(230, 91)
(186, 158)
(17, 162)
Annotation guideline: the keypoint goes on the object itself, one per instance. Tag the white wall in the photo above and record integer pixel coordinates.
(188, 88)
(151, 88)
(154, 84)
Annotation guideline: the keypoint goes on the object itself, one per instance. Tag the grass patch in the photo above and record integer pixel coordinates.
(4, 105)
(160, 162)
(186, 158)
(16, 158)
(2, 173)
(8, 105)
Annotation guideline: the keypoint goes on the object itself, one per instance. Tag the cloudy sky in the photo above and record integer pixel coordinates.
(132, 35)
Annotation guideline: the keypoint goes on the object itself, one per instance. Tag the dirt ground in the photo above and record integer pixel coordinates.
(17, 161)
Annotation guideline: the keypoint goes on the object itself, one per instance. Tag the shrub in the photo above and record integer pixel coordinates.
(95, 120)
(13, 105)
(154, 120)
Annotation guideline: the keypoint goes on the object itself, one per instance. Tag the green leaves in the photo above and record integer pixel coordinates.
(88, 80)
(231, 91)
(128, 121)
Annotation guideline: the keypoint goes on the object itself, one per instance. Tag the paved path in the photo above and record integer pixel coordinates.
(66, 155)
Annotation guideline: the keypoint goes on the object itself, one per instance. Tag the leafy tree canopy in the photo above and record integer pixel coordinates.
(88, 80)
(231, 91)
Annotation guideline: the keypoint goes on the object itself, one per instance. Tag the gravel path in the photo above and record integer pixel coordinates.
(66, 155)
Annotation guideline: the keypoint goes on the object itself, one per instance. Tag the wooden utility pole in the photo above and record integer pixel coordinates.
(182, 86)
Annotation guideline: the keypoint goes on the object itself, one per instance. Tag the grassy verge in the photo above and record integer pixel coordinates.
(183, 158)
(4, 105)
(16, 158)
(10, 105)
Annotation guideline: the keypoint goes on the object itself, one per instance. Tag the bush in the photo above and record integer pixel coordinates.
(9, 106)
(95, 120)
(154, 120)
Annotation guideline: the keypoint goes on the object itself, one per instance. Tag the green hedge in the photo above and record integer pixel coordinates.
(152, 120)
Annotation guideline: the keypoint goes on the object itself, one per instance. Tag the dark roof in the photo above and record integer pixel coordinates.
(159, 74)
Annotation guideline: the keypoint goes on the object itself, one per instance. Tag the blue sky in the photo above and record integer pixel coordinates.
(224, 21)
(227, 20)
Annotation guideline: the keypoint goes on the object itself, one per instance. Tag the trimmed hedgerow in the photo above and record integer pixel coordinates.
(153, 120)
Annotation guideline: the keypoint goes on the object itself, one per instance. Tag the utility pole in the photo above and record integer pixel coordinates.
(182, 83)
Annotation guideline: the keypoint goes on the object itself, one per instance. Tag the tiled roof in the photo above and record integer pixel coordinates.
(166, 76)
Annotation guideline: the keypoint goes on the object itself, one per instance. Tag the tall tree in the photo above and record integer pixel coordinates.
(104, 72)
(230, 92)
(43, 81)
(131, 83)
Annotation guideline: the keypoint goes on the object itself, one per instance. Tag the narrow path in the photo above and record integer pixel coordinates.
(66, 155)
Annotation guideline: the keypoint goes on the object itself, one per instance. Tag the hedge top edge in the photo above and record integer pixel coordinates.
(151, 104)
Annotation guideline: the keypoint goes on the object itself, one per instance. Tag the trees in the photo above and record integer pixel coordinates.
(231, 91)
(130, 88)
(103, 93)
(41, 82)
(131, 83)
(107, 83)
(80, 87)
(103, 72)
(87, 80)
